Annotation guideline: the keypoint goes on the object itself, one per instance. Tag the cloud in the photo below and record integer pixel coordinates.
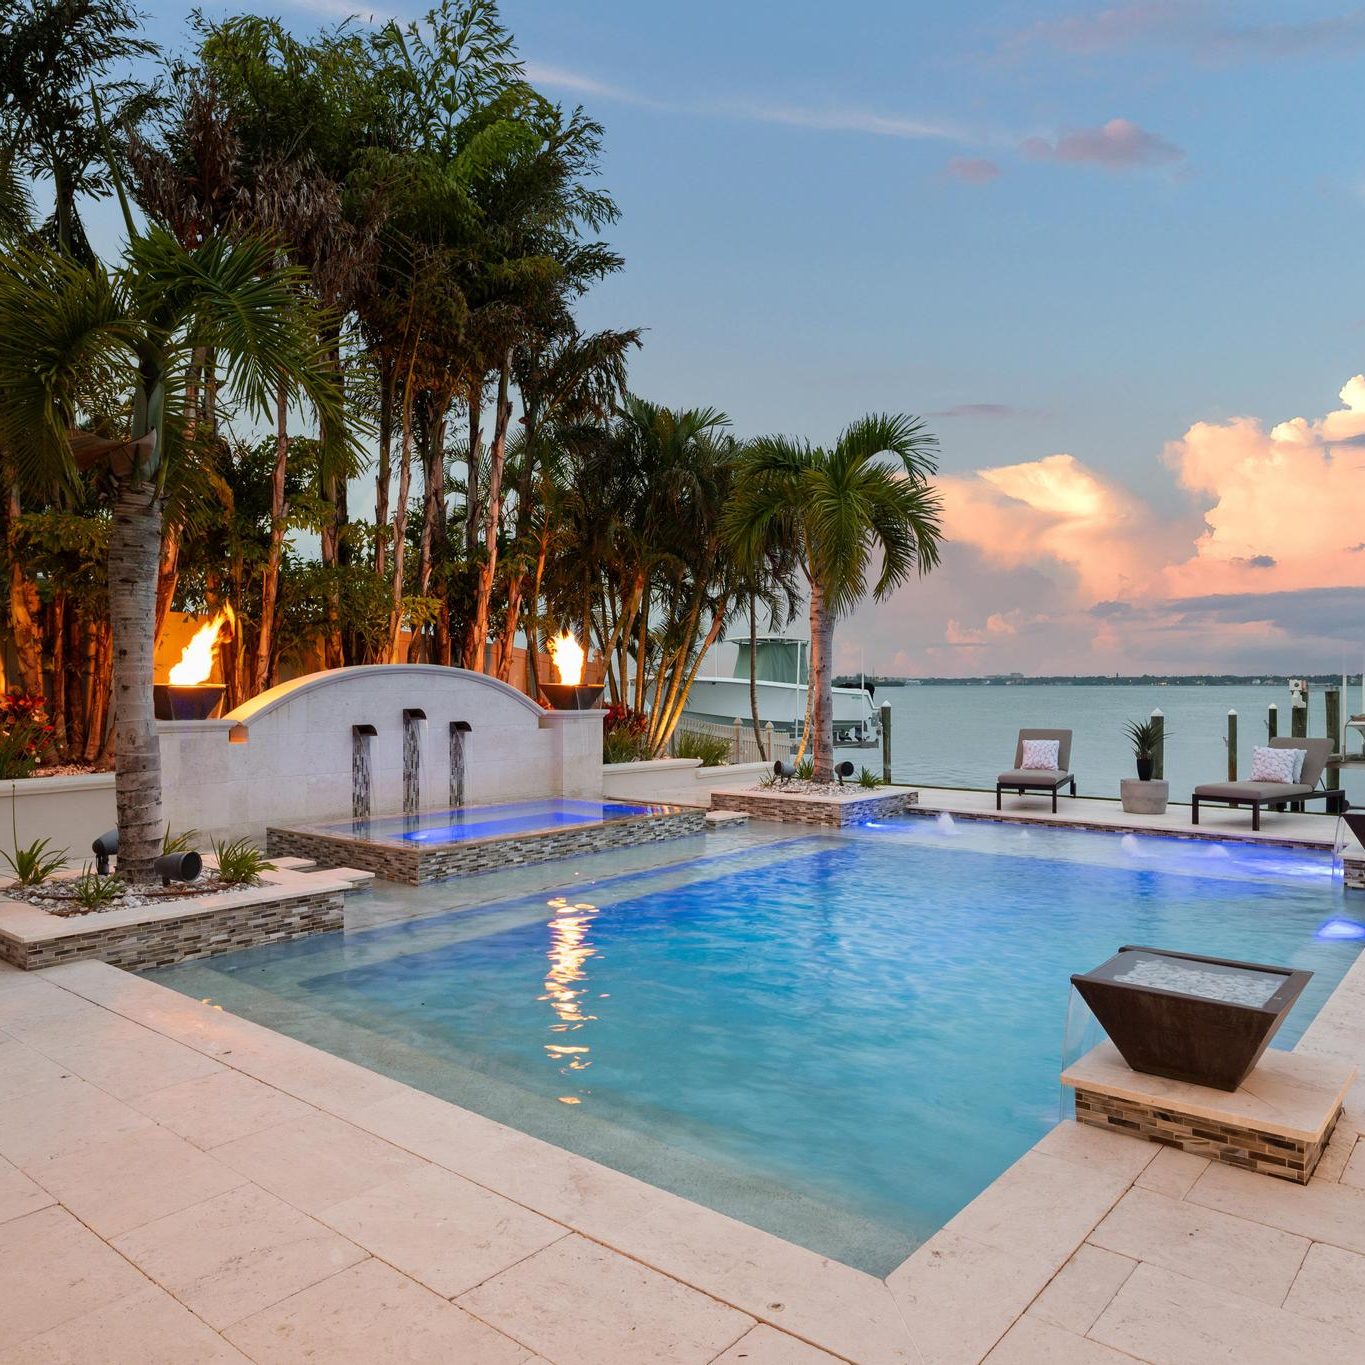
(1116, 145)
(1054, 567)
(987, 410)
(1194, 26)
(974, 170)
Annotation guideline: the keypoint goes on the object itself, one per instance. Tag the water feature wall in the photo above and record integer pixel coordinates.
(459, 734)
(414, 720)
(289, 756)
(362, 781)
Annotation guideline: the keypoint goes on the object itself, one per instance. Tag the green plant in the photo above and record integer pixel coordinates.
(91, 891)
(184, 842)
(33, 864)
(240, 862)
(1145, 736)
(24, 735)
(805, 770)
(713, 750)
(867, 778)
(624, 735)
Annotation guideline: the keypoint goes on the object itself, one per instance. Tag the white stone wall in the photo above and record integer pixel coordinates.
(71, 811)
(294, 765)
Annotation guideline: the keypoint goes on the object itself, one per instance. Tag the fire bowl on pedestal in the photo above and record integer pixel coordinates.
(1206, 1020)
(572, 696)
(180, 701)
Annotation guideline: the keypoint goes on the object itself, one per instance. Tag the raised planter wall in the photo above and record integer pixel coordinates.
(71, 811)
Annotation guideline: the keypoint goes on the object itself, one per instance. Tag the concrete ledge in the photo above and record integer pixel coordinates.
(853, 807)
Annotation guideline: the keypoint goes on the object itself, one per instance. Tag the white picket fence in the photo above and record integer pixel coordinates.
(743, 746)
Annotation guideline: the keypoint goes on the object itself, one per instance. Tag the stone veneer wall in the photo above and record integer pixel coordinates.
(1249, 1148)
(1353, 872)
(771, 805)
(420, 864)
(161, 942)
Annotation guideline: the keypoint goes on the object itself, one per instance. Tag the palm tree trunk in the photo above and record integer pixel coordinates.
(819, 683)
(492, 516)
(384, 470)
(753, 679)
(400, 535)
(134, 546)
(270, 580)
(24, 606)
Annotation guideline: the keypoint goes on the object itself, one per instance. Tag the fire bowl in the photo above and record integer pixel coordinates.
(1201, 1019)
(176, 701)
(572, 696)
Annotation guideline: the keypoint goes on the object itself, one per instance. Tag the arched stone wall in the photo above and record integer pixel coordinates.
(285, 756)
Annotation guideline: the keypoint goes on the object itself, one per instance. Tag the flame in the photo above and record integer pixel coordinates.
(568, 657)
(196, 660)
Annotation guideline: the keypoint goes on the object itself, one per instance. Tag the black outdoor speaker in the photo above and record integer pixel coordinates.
(843, 770)
(783, 770)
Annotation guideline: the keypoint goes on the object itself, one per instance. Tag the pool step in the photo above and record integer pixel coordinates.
(726, 817)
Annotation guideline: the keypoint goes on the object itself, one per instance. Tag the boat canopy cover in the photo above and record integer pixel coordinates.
(779, 660)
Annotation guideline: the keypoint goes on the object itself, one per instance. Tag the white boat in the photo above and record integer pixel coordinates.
(782, 671)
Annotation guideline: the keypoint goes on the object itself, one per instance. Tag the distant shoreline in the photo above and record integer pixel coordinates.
(1280, 680)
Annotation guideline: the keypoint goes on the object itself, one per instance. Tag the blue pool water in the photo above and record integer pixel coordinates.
(490, 822)
(841, 1038)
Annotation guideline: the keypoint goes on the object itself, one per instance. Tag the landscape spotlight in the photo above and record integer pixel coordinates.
(843, 770)
(783, 771)
(178, 867)
(104, 848)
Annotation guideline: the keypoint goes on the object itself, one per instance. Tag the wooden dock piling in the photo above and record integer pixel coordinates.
(886, 742)
(1332, 699)
(1159, 748)
(1232, 745)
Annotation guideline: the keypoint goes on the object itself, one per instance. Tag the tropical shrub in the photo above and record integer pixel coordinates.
(625, 735)
(33, 864)
(867, 778)
(25, 735)
(184, 842)
(240, 862)
(805, 770)
(711, 749)
(92, 891)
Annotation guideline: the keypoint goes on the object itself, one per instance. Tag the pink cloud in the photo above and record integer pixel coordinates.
(1119, 144)
(1051, 566)
(975, 170)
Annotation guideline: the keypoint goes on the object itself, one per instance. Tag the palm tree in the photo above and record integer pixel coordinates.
(839, 508)
(140, 327)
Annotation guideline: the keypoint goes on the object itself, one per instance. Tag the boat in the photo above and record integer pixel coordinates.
(782, 670)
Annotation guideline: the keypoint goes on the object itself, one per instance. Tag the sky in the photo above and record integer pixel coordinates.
(1111, 252)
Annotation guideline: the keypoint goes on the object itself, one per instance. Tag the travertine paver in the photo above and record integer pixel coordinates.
(1353, 1172)
(370, 1314)
(147, 1327)
(1032, 1341)
(1172, 1172)
(1082, 1289)
(441, 1229)
(317, 1161)
(62, 1117)
(1331, 1288)
(236, 1254)
(1323, 1211)
(18, 1194)
(55, 1269)
(220, 1108)
(115, 1186)
(1169, 1319)
(1248, 1258)
(767, 1346)
(22, 1069)
(576, 1303)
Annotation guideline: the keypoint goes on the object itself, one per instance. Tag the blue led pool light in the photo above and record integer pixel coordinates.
(1341, 929)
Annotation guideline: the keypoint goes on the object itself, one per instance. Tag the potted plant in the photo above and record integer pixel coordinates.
(1145, 737)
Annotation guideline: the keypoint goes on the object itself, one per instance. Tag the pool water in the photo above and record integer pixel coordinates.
(490, 822)
(841, 1038)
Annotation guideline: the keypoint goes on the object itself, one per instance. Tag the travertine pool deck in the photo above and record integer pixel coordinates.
(181, 1184)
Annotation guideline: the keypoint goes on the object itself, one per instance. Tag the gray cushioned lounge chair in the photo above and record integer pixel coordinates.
(1021, 779)
(1259, 794)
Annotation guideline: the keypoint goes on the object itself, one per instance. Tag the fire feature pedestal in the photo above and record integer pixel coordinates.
(1277, 1122)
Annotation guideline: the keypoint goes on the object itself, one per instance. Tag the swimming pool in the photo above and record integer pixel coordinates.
(841, 1038)
(490, 822)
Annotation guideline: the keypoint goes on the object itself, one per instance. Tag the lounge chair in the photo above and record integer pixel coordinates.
(1021, 779)
(1259, 794)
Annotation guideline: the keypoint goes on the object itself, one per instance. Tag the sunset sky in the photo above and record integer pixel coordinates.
(1112, 252)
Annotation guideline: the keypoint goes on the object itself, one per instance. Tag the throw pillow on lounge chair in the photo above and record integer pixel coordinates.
(1041, 754)
(1275, 765)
